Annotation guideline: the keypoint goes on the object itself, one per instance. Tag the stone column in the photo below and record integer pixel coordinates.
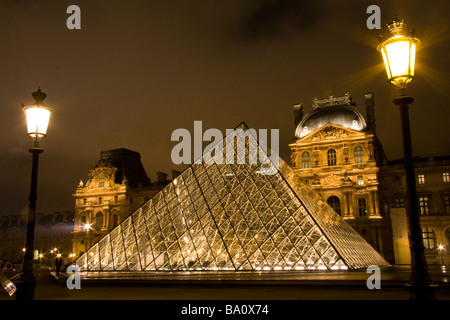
(344, 204)
(375, 204)
(349, 204)
(106, 213)
(370, 205)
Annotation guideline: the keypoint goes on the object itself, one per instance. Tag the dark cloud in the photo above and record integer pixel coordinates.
(275, 18)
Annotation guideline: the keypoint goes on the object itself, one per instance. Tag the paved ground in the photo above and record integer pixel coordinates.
(232, 286)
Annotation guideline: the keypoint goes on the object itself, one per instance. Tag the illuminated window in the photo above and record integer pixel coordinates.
(421, 179)
(424, 204)
(101, 181)
(397, 181)
(360, 180)
(335, 203)
(359, 154)
(428, 238)
(331, 156)
(306, 160)
(446, 177)
(362, 207)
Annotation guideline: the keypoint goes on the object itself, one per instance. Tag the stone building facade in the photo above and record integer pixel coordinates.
(337, 152)
(433, 191)
(117, 185)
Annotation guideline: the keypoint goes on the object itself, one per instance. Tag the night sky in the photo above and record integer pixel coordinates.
(138, 70)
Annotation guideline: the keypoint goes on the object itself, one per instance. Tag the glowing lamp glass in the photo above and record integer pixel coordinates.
(38, 118)
(399, 53)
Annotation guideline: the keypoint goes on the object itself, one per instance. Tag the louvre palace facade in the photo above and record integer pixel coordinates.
(337, 152)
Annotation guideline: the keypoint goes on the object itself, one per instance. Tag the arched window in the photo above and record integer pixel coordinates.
(98, 221)
(359, 154)
(335, 203)
(429, 238)
(83, 218)
(331, 156)
(306, 160)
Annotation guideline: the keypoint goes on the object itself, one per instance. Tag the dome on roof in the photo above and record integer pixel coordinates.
(346, 116)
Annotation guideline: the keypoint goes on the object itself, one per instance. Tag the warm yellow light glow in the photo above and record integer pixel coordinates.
(87, 226)
(37, 120)
(37, 117)
(398, 55)
(399, 52)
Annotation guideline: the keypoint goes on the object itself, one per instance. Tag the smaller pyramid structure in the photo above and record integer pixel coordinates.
(232, 217)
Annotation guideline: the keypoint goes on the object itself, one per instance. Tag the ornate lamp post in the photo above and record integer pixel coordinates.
(399, 53)
(37, 116)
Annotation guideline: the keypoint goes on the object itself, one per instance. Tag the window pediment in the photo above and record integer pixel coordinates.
(330, 132)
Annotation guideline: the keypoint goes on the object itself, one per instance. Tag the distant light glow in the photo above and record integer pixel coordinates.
(277, 268)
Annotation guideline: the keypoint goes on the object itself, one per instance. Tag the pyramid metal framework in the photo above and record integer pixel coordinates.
(232, 217)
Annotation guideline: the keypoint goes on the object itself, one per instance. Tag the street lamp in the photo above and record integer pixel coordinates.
(399, 52)
(37, 117)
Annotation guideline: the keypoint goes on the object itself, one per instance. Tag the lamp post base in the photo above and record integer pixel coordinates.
(422, 291)
(25, 288)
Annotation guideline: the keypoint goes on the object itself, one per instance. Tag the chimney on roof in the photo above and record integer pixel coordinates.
(175, 174)
(162, 177)
(370, 112)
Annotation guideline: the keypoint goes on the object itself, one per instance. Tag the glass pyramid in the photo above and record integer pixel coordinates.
(232, 217)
